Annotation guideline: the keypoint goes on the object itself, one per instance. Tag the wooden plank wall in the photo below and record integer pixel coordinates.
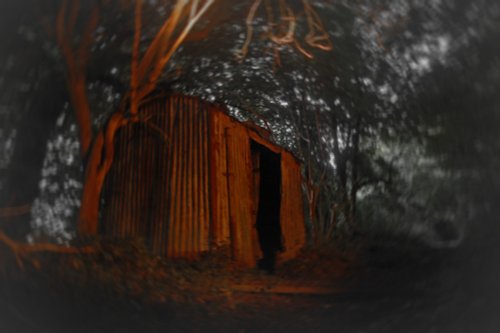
(233, 188)
(183, 181)
(234, 192)
(158, 186)
(126, 194)
(219, 174)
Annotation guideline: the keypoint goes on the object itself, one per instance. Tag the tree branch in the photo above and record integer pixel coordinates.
(242, 53)
(178, 41)
(21, 250)
(76, 67)
(317, 37)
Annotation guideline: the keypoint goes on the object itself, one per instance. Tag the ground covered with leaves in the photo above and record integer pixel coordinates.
(391, 284)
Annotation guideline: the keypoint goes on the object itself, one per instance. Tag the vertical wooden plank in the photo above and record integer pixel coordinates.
(152, 228)
(182, 230)
(128, 200)
(136, 191)
(171, 176)
(133, 193)
(170, 180)
(162, 202)
(189, 220)
(175, 179)
(214, 227)
(292, 211)
(240, 196)
(185, 220)
(181, 175)
(155, 226)
(195, 109)
(177, 182)
(142, 169)
(195, 203)
(142, 186)
(205, 211)
(199, 177)
(255, 188)
(219, 171)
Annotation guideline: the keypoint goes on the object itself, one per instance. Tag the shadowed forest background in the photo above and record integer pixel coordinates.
(392, 107)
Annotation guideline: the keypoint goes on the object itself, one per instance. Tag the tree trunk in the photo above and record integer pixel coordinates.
(99, 162)
(341, 163)
(88, 218)
(354, 169)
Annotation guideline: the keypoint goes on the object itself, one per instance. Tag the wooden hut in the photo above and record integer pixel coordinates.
(188, 178)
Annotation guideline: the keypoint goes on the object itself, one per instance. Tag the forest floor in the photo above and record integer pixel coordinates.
(385, 285)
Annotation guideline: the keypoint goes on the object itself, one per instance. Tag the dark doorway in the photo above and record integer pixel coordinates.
(267, 180)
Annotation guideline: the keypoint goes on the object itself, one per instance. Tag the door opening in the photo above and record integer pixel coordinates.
(267, 180)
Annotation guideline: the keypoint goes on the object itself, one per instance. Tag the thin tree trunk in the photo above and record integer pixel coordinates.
(79, 100)
(99, 163)
(89, 206)
(354, 169)
(341, 168)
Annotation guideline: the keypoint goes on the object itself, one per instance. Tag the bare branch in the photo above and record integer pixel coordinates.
(242, 53)
(160, 42)
(194, 7)
(317, 37)
(302, 50)
(283, 32)
(178, 41)
(288, 18)
(76, 67)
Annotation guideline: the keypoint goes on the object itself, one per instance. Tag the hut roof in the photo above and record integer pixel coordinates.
(264, 133)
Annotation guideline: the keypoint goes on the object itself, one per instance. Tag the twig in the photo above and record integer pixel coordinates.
(241, 53)
(317, 37)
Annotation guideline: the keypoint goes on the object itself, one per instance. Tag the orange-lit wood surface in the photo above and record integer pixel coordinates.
(183, 180)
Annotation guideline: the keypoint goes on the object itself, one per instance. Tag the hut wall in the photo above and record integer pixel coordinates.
(158, 186)
(235, 195)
